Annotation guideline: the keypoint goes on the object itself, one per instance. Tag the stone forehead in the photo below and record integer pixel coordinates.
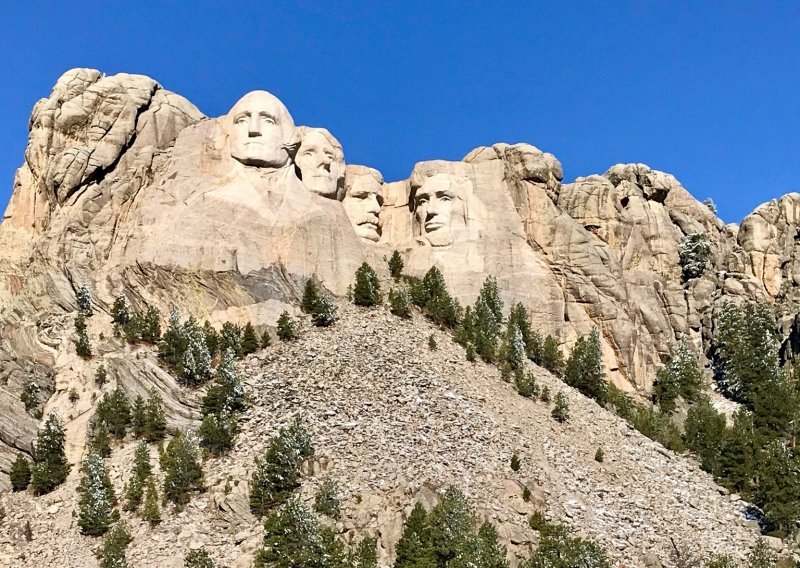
(355, 172)
(267, 100)
(457, 171)
(305, 131)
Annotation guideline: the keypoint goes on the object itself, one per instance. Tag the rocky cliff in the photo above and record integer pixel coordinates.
(129, 189)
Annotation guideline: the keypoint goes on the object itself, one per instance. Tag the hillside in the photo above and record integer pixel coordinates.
(393, 422)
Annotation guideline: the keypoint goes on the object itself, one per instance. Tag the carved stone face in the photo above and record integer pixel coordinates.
(363, 201)
(259, 129)
(321, 162)
(436, 202)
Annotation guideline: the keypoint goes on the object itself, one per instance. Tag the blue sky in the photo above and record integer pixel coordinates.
(708, 91)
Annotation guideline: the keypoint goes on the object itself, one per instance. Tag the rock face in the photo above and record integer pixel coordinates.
(128, 189)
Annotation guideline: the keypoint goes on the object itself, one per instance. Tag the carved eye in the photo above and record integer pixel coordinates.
(423, 200)
(241, 120)
(269, 120)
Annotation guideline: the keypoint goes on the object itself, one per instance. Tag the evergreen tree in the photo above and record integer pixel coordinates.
(322, 310)
(266, 340)
(195, 366)
(120, 311)
(84, 300)
(151, 511)
(100, 442)
(399, 303)
(738, 453)
(101, 375)
(703, 433)
(20, 473)
(364, 555)
(486, 330)
(431, 294)
(367, 288)
(217, 431)
(50, 465)
(414, 547)
(513, 349)
(561, 409)
(559, 549)
(490, 554)
(155, 419)
(249, 340)
(230, 338)
(277, 473)
(173, 344)
(30, 395)
(182, 471)
(287, 327)
(115, 411)
(552, 358)
(761, 556)
(326, 500)
(681, 376)
(82, 346)
(140, 474)
(778, 490)
(526, 385)
(151, 325)
(694, 254)
(294, 538)
(138, 417)
(198, 559)
(396, 265)
(519, 318)
(212, 338)
(114, 547)
(227, 391)
(584, 369)
(96, 497)
(311, 297)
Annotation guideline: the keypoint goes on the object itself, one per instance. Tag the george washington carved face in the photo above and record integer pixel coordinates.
(260, 131)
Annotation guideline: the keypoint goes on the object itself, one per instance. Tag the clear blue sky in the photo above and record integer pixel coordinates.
(708, 91)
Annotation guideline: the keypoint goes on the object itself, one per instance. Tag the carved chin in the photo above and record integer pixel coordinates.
(255, 155)
(321, 185)
(368, 231)
(441, 237)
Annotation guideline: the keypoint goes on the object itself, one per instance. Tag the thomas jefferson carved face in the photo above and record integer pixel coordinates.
(437, 203)
(321, 162)
(260, 128)
(363, 200)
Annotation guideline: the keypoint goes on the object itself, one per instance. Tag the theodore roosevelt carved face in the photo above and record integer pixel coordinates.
(362, 201)
(320, 162)
(260, 131)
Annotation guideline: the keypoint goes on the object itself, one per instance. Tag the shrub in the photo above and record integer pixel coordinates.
(545, 396)
(694, 254)
(84, 300)
(101, 375)
(761, 556)
(526, 384)
(30, 394)
(396, 265)
(432, 343)
(287, 327)
(50, 465)
(20, 473)
(599, 455)
(182, 471)
(96, 497)
(82, 346)
(399, 303)
(198, 559)
(73, 395)
(114, 547)
(367, 288)
(516, 463)
(561, 409)
(326, 500)
(277, 471)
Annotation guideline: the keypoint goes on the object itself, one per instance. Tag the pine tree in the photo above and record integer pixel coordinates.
(151, 326)
(396, 265)
(277, 471)
(82, 346)
(778, 490)
(266, 340)
(694, 255)
(399, 303)
(414, 547)
(95, 497)
(293, 537)
(532, 340)
(101, 375)
(100, 442)
(552, 358)
(140, 474)
(217, 432)
(20, 473)
(287, 327)
(326, 500)
(367, 288)
(30, 394)
(50, 465)
(704, 429)
(561, 409)
(431, 294)
(198, 559)
(490, 554)
(138, 417)
(738, 453)
(486, 330)
(173, 343)
(230, 338)
(195, 366)
(155, 419)
(364, 555)
(249, 340)
(584, 369)
(114, 547)
(151, 511)
(761, 556)
(182, 471)
(212, 338)
(84, 300)
(681, 376)
(115, 411)
(526, 385)
(311, 296)
(559, 549)
(513, 349)
(120, 311)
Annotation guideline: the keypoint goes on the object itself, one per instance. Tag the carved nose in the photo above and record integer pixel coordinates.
(255, 126)
(373, 206)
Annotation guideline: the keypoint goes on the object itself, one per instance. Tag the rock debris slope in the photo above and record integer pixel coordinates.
(393, 422)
